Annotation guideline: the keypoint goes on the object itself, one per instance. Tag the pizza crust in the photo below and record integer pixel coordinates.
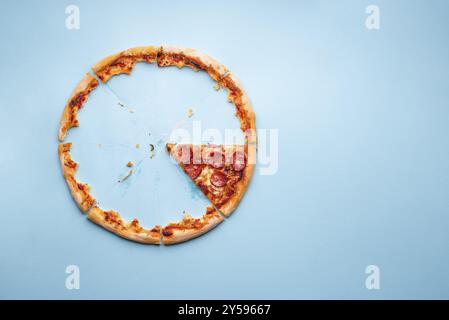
(189, 227)
(243, 105)
(124, 61)
(113, 222)
(76, 102)
(79, 190)
(180, 57)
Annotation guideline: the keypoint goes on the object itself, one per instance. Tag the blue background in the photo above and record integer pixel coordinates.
(363, 173)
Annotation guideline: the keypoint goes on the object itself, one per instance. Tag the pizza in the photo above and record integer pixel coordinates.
(221, 172)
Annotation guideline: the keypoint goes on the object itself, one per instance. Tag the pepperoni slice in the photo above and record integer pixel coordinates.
(239, 162)
(218, 179)
(193, 170)
(213, 157)
(217, 160)
(184, 154)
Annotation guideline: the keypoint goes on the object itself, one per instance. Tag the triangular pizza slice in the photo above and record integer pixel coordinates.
(222, 172)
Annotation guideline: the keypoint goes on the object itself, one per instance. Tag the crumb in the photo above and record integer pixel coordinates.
(126, 177)
(190, 113)
(151, 151)
(137, 146)
(217, 87)
(121, 104)
(130, 164)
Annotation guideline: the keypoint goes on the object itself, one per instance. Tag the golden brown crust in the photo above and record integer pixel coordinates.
(244, 109)
(178, 56)
(76, 102)
(113, 222)
(79, 190)
(124, 61)
(189, 228)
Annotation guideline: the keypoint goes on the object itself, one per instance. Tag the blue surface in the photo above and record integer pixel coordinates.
(363, 150)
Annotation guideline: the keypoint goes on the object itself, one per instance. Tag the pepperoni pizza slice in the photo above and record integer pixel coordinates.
(222, 172)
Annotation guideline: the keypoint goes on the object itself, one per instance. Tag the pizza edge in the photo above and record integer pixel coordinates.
(113, 222)
(244, 109)
(79, 190)
(189, 227)
(124, 61)
(75, 102)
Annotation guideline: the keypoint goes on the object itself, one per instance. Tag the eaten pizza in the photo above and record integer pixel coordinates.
(221, 172)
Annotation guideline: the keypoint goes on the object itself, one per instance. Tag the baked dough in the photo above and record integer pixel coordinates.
(112, 221)
(189, 227)
(79, 190)
(76, 102)
(124, 61)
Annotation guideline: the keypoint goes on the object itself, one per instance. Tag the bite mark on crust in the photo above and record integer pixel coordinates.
(189, 227)
(75, 103)
(113, 222)
(79, 190)
(124, 61)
